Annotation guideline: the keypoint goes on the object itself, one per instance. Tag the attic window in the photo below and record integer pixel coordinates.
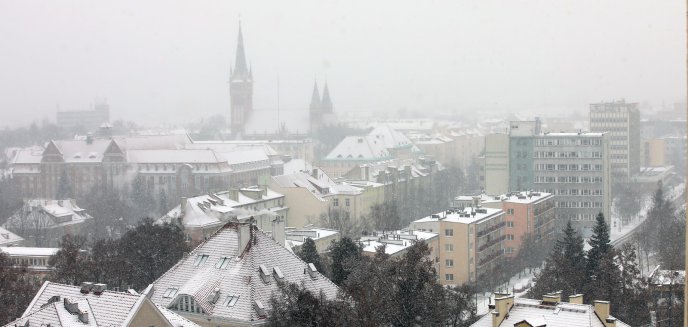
(92, 155)
(170, 292)
(264, 274)
(222, 263)
(77, 155)
(201, 259)
(231, 300)
(278, 273)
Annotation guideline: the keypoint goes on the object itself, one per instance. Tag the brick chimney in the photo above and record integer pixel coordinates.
(602, 309)
(576, 299)
(501, 309)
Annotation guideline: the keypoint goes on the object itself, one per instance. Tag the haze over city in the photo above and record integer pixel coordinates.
(167, 62)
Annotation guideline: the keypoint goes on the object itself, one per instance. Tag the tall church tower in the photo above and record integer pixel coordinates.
(240, 89)
(315, 110)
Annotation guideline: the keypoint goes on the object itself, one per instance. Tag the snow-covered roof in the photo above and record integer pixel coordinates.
(48, 213)
(391, 138)
(467, 215)
(667, 277)
(20, 251)
(320, 186)
(395, 242)
(7, 237)
(513, 197)
(153, 142)
(173, 156)
(559, 315)
(242, 277)
(77, 151)
(365, 147)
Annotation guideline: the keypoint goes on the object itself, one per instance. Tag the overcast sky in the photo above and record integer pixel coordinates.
(169, 61)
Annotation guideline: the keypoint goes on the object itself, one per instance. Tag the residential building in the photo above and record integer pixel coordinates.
(396, 243)
(508, 311)
(323, 237)
(621, 121)
(8, 238)
(649, 177)
(201, 216)
(34, 259)
(527, 214)
(43, 222)
(496, 164)
(228, 280)
(665, 151)
(84, 120)
(666, 285)
(470, 243)
(382, 143)
(59, 305)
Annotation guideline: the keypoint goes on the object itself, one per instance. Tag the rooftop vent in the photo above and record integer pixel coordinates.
(278, 273)
(264, 274)
(312, 271)
(71, 307)
(260, 309)
(86, 287)
(99, 288)
(213, 296)
(83, 317)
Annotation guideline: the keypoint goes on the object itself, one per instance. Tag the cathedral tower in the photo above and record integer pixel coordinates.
(240, 89)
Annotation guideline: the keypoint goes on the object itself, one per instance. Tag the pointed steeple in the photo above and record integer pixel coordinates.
(326, 101)
(240, 67)
(315, 98)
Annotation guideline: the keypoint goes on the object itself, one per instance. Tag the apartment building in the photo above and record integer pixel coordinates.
(621, 121)
(470, 243)
(397, 242)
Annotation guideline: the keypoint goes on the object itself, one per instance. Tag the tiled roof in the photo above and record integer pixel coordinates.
(366, 147)
(7, 237)
(559, 315)
(240, 277)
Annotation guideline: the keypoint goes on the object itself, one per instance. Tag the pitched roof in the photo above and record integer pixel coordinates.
(201, 273)
(7, 237)
(368, 147)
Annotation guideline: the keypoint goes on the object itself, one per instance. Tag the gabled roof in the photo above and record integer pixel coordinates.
(79, 151)
(195, 276)
(368, 147)
(7, 237)
(390, 137)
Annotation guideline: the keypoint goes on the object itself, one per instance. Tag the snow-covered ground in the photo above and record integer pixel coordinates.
(516, 285)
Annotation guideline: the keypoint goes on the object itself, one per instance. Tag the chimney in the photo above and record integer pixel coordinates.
(99, 288)
(315, 173)
(86, 287)
(576, 299)
(552, 298)
(233, 194)
(244, 234)
(501, 309)
(602, 311)
(183, 206)
(278, 233)
(407, 172)
(83, 317)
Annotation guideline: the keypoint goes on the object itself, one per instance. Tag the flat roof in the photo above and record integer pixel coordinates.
(459, 215)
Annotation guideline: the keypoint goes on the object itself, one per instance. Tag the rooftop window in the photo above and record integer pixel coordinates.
(170, 292)
(231, 300)
(201, 259)
(222, 263)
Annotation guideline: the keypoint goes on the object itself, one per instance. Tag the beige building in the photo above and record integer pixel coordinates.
(621, 121)
(496, 164)
(396, 243)
(322, 237)
(470, 243)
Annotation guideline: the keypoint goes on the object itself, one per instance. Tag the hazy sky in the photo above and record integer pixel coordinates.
(169, 60)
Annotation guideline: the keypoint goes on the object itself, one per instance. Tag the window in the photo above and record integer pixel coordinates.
(188, 304)
(347, 202)
(335, 202)
(231, 300)
(510, 224)
(222, 263)
(509, 250)
(449, 247)
(449, 263)
(448, 232)
(201, 259)
(449, 277)
(509, 211)
(170, 292)
(510, 237)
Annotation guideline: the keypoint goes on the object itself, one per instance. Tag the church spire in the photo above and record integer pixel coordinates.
(240, 67)
(315, 98)
(326, 101)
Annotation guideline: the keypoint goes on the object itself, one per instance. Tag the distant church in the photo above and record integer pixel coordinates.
(247, 123)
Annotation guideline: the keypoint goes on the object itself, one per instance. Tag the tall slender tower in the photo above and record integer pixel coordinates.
(326, 101)
(315, 110)
(240, 89)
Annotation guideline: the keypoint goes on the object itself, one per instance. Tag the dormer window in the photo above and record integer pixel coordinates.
(277, 272)
(222, 263)
(264, 274)
(187, 303)
(201, 259)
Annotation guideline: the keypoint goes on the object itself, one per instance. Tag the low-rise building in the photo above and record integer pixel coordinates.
(43, 222)
(666, 285)
(508, 311)
(323, 237)
(34, 259)
(470, 243)
(201, 216)
(396, 243)
(8, 238)
(229, 279)
(91, 304)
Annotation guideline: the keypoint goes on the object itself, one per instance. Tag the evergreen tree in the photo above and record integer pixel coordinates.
(297, 306)
(69, 263)
(17, 289)
(64, 187)
(599, 245)
(144, 203)
(632, 305)
(341, 252)
(564, 268)
(309, 254)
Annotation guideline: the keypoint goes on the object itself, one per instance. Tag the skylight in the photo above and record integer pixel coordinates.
(170, 292)
(222, 263)
(231, 300)
(201, 259)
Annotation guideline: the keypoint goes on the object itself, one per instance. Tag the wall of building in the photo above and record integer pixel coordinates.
(496, 164)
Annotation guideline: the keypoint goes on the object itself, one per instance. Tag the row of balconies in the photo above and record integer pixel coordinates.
(491, 229)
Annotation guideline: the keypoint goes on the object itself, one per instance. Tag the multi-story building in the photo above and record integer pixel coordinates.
(322, 237)
(396, 243)
(527, 214)
(43, 222)
(470, 243)
(201, 216)
(85, 120)
(621, 121)
(34, 259)
(574, 167)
